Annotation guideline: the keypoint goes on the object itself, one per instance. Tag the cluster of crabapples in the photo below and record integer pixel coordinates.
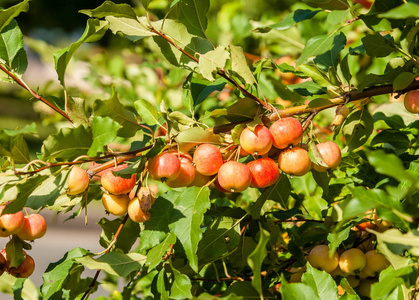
(119, 197)
(26, 228)
(207, 163)
(360, 265)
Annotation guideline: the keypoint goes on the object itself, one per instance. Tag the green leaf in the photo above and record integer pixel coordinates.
(294, 18)
(162, 285)
(403, 80)
(307, 88)
(25, 189)
(77, 111)
(114, 263)
(108, 8)
(12, 54)
(19, 150)
(95, 29)
(193, 13)
(255, 259)
(154, 256)
(391, 279)
(395, 138)
(190, 206)
(244, 108)
(67, 144)
(297, 290)
(178, 32)
(157, 227)
(59, 272)
(321, 282)
(241, 290)
(6, 15)
(181, 286)
(315, 46)
(14, 252)
(316, 74)
(133, 29)
(404, 11)
(344, 66)
(330, 58)
(377, 45)
(239, 64)
(211, 61)
(115, 110)
(201, 89)
(322, 179)
(389, 164)
(319, 102)
(362, 201)
(193, 136)
(399, 242)
(48, 190)
(357, 129)
(147, 112)
(336, 238)
(104, 131)
(127, 237)
(328, 4)
(221, 237)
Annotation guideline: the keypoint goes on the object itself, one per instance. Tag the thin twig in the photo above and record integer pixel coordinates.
(33, 93)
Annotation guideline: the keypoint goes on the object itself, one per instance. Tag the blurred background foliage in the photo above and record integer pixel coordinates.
(136, 72)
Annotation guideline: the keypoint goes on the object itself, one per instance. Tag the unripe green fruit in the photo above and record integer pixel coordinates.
(375, 263)
(352, 261)
(319, 258)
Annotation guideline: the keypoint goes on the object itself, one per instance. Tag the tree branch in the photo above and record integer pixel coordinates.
(302, 109)
(33, 93)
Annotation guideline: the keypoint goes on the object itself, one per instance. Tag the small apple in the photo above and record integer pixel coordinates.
(25, 269)
(364, 287)
(117, 185)
(207, 159)
(138, 211)
(186, 174)
(411, 101)
(34, 227)
(365, 3)
(320, 258)
(257, 142)
(294, 161)
(234, 176)
(165, 166)
(352, 261)
(201, 180)
(265, 172)
(376, 262)
(3, 262)
(331, 155)
(78, 181)
(10, 223)
(286, 132)
(115, 204)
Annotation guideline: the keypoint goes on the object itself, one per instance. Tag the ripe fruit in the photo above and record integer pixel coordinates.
(10, 223)
(265, 172)
(34, 227)
(375, 263)
(234, 176)
(200, 180)
(353, 281)
(186, 174)
(3, 262)
(320, 258)
(294, 161)
(411, 101)
(138, 210)
(369, 216)
(365, 3)
(115, 204)
(78, 181)
(257, 142)
(285, 132)
(331, 155)
(352, 261)
(25, 269)
(207, 159)
(165, 166)
(117, 185)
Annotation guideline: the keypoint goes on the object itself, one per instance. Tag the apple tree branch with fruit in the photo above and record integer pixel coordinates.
(232, 157)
